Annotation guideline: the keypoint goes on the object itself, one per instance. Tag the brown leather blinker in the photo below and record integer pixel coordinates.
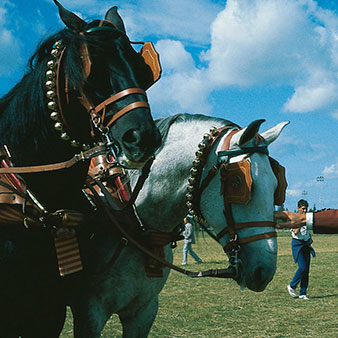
(280, 191)
(236, 182)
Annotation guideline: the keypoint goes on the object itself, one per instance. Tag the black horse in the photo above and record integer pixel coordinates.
(85, 86)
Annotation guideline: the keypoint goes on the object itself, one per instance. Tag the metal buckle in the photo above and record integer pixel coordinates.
(80, 157)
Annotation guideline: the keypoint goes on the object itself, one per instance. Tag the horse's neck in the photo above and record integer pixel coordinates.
(162, 203)
(59, 189)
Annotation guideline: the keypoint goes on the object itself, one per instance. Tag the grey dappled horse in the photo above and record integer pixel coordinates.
(124, 288)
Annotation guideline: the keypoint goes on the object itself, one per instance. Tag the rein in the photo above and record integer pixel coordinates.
(127, 238)
(82, 156)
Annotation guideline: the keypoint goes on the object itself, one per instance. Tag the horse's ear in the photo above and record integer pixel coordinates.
(71, 20)
(115, 19)
(250, 132)
(271, 134)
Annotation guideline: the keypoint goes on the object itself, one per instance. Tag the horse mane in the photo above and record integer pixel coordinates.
(25, 105)
(164, 123)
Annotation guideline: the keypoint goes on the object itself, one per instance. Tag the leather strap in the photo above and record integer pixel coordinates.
(249, 239)
(132, 106)
(82, 156)
(217, 273)
(119, 96)
(239, 226)
(226, 143)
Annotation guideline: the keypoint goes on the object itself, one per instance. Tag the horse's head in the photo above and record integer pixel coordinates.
(110, 88)
(243, 215)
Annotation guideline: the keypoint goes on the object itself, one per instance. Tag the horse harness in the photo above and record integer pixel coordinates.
(57, 86)
(98, 186)
(17, 203)
(236, 182)
(236, 188)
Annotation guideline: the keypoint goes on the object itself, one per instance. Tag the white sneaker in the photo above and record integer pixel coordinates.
(303, 297)
(292, 292)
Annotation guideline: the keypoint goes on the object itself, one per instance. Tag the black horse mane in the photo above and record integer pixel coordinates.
(25, 105)
(29, 93)
(164, 123)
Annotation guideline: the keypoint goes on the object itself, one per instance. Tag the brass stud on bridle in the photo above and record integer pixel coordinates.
(51, 95)
(197, 162)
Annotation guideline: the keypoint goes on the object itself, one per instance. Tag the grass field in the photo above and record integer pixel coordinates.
(218, 308)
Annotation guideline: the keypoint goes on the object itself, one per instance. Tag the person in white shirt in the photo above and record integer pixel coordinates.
(189, 239)
(301, 252)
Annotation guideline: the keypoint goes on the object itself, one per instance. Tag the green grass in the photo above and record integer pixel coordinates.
(218, 308)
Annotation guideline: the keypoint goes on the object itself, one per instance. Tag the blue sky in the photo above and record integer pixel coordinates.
(238, 59)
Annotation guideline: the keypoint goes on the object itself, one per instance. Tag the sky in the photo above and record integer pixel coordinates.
(240, 60)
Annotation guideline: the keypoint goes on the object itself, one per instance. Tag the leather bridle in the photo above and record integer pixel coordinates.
(197, 186)
(58, 93)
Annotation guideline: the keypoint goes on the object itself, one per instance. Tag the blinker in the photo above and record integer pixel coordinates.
(148, 53)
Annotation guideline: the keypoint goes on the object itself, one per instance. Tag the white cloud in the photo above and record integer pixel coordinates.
(182, 87)
(259, 42)
(331, 171)
(308, 98)
(188, 20)
(294, 192)
(266, 42)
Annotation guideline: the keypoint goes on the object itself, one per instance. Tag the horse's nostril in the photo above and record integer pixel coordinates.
(131, 136)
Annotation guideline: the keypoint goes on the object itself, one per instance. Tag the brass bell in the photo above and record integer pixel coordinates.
(74, 143)
(58, 44)
(65, 136)
(189, 196)
(196, 219)
(207, 137)
(191, 212)
(190, 188)
(199, 153)
(202, 145)
(193, 171)
(51, 64)
(189, 204)
(58, 126)
(50, 74)
(55, 52)
(50, 84)
(85, 146)
(52, 105)
(51, 94)
(213, 131)
(192, 180)
(54, 116)
(196, 163)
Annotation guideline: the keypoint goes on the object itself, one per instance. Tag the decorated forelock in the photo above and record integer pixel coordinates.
(52, 96)
(195, 171)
